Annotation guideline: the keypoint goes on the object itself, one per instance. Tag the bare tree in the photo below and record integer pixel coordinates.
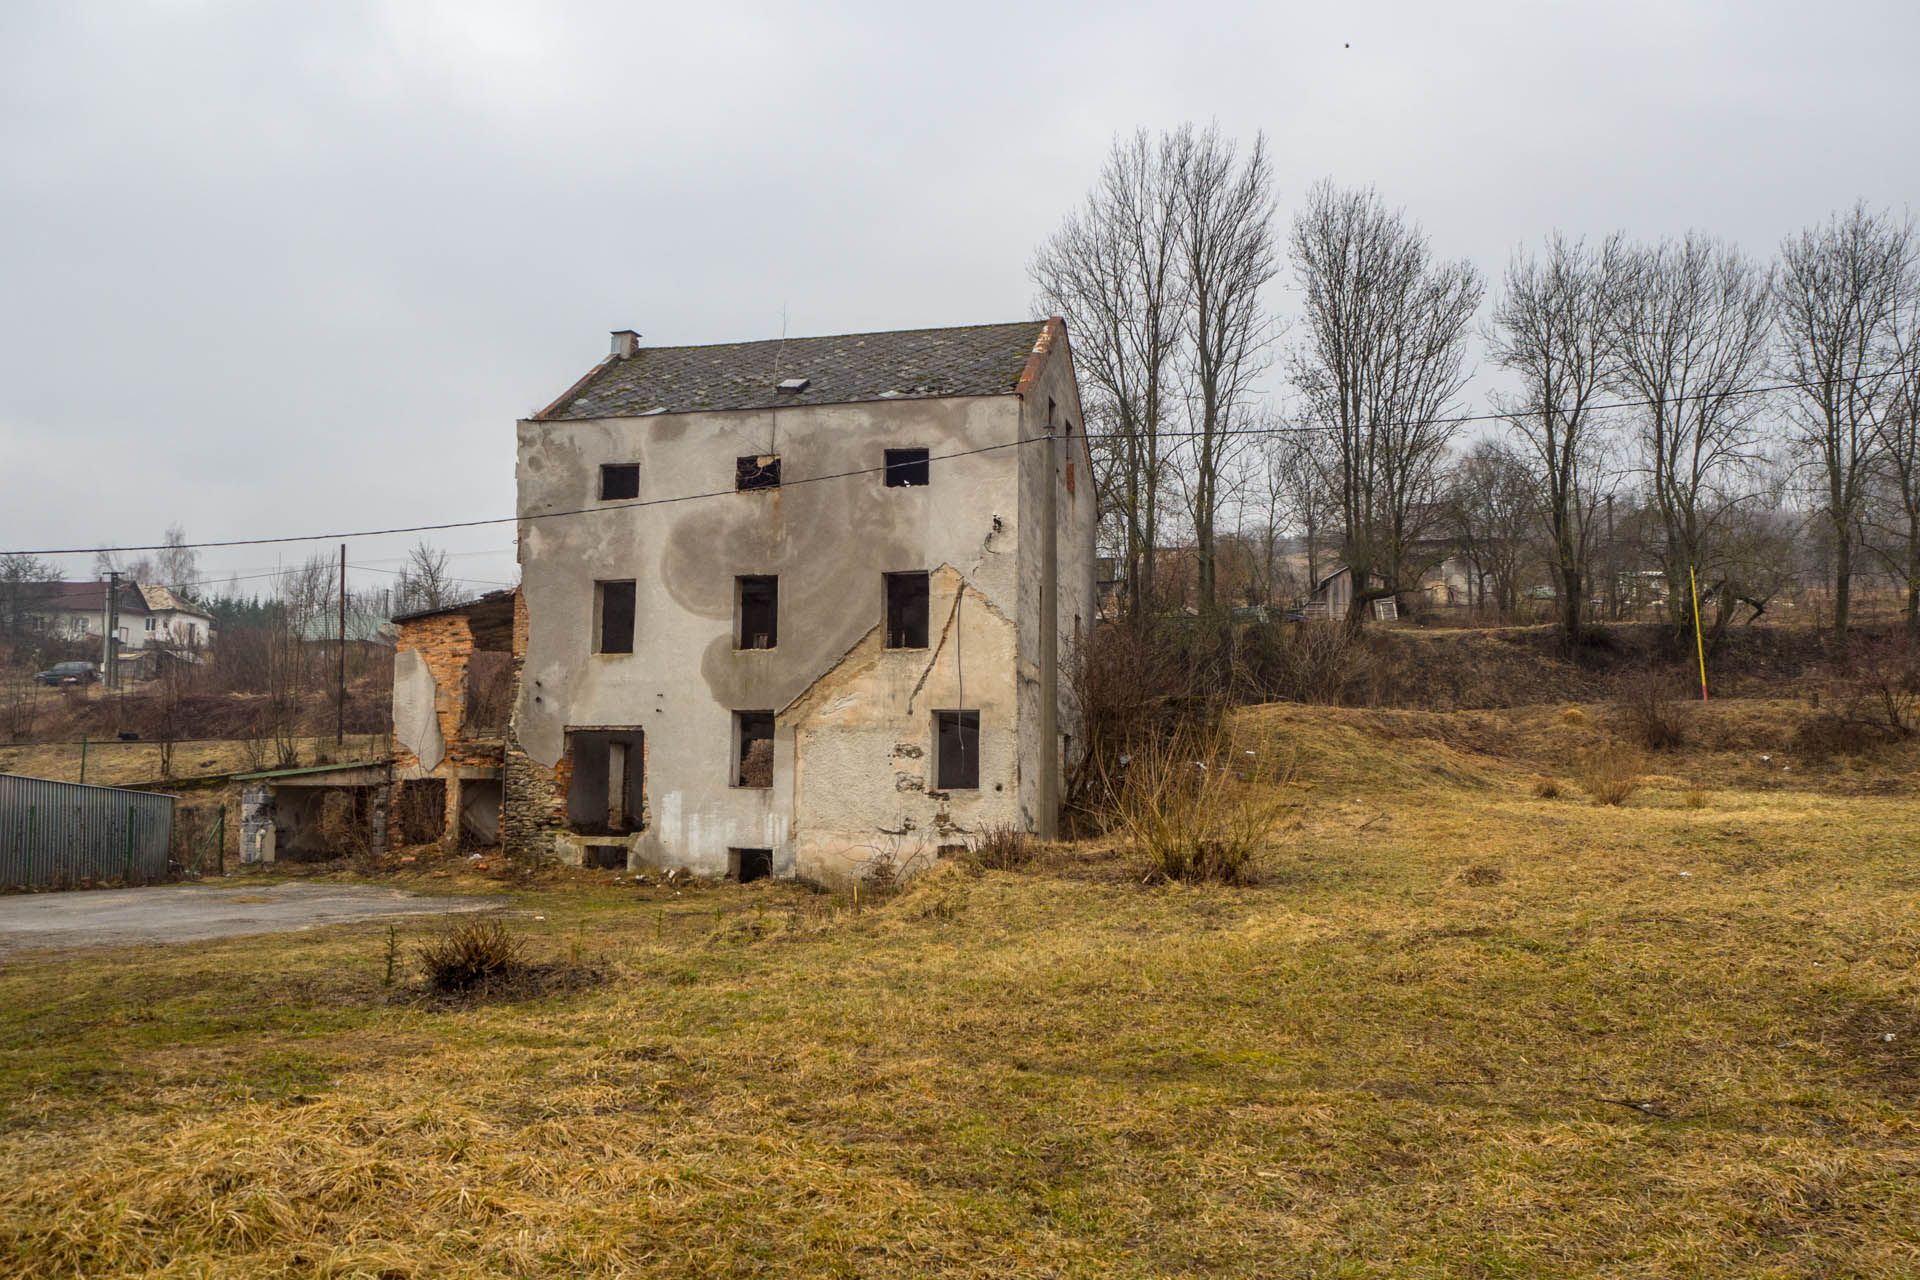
(1225, 220)
(1493, 508)
(1894, 511)
(425, 581)
(1552, 328)
(1691, 326)
(1379, 369)
(1839, 293)
(1113, 271)
(176, 566)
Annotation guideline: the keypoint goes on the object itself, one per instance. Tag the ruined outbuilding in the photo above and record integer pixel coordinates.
(799, 607)
(452, 696)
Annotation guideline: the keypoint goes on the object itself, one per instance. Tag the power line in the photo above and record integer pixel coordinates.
(636, 504)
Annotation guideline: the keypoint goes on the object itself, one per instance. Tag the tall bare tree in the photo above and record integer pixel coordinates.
(1225, 218)
(176, 566)
(425, 581)
(1493, 509)
(1896, 513)
(1114, 271)
(1379, 368)
(1839, 292)
(1552, 329)
(1692, 324)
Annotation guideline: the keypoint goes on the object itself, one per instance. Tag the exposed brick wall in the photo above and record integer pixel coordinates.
(445, 644)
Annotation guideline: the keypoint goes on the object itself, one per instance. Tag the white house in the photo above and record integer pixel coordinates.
(798, 607)
(172, 621)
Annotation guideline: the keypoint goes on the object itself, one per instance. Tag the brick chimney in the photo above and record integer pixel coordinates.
(625, 342)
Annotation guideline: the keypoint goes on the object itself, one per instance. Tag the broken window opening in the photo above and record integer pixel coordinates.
(748, 865)
(908, 468)
(614, 603)
(604, 857)
(907, 602)
(619, 481)
(606, 794)
(753, 748)
(761, 472)
(756, 611)
(956, 750)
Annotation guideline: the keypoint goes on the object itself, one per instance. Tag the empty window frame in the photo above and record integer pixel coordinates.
(756, 611)
(907, 468)
(604, 792)
(761, 472)
(907, 598)
(619, 481)
(613, 616)
(956, 750)
(753, 748)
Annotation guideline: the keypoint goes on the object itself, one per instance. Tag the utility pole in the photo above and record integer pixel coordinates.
(340, 656)
(110, 643)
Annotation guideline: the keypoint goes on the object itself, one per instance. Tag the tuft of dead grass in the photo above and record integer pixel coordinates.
(1612, 772)
(1546, 787)
(1193, 811)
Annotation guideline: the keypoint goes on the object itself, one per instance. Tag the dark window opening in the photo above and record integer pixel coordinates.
(907, 468)
(619, 481)
(420, 815)
(756, 612)
(748, 865)
(753, 748)
(605, 794)
(907, 595)
(604, 857)
(761, 472)
(956, 750)
(615, 607)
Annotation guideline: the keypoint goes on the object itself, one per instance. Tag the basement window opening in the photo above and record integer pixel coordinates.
(753, 749)
(956, 750)
(907, 468)
(907, 602)
(760, 472)
(613, 605)
(748, 865)
(756, 611)
(619, 481)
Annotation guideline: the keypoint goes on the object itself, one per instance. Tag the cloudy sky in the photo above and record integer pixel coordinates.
(274, 268)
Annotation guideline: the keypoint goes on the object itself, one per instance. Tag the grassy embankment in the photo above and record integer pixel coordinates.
(1458, 1030)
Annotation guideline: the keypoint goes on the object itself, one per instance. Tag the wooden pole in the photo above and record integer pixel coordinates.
(340, 653)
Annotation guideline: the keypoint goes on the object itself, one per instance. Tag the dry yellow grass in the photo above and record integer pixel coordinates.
(1456, 1031)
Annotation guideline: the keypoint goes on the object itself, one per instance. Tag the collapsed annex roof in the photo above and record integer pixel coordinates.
(973, 360)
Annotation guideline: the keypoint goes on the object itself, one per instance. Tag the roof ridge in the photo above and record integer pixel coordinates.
(864, 333)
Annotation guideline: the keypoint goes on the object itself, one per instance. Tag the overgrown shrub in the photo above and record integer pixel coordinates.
(1611, 773)
(473, 955)
(342, 825)
(1191, 815)
(1876, 703)
(1650, 710)
(1002, 846)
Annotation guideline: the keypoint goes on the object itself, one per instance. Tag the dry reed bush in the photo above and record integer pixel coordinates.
(1650, 710)
(1695, 798)
(1546, 787)
(473, 955)
(1573, 715)
(1194, 812)
(342, 825)
(1611, 772)
(1002, 846)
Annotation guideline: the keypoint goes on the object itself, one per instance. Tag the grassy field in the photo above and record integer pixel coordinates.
(1457, 1030)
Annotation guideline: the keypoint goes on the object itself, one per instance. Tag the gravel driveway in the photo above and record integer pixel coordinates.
(190, 913)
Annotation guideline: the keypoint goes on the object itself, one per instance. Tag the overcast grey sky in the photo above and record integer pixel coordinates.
(279, 268)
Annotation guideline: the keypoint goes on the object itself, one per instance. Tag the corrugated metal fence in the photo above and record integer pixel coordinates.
(63, 833)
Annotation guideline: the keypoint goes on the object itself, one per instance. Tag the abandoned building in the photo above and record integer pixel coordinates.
(800, 606)
(452, 695)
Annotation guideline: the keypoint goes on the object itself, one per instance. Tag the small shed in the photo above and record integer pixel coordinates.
(321, 811)
(1332, 596)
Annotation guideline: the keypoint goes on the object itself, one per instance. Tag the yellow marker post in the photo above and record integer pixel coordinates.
(1699, 645)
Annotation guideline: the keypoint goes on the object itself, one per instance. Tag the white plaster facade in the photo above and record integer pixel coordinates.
(853, 782)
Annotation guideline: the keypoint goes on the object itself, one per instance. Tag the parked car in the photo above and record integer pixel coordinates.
(68, 673)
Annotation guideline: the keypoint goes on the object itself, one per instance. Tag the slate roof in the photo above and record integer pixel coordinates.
(82, 597)
(974, 360)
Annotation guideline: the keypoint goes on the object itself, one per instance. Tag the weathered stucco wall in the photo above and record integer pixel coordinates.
(853, 780)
